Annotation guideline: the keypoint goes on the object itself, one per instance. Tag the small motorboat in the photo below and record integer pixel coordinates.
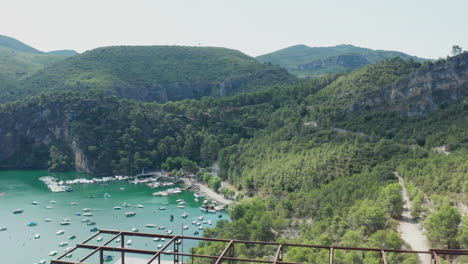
(129, 242)
(71, 237)
(107, 195)
(49, 207)
(69, 255)
(64, 223)
(78, 214)
(196, 233)
(140, 206)
(108, 258)
(94, 229)
(52, 201)
(171, 218)
(161, 227)
(91, 223)
(200, 227)
(85, 220)
(3, 228)
(86, 209)
(42, 261)
(220, 215)
(184, 215)
(32, 224)
(185, 227)
(91, 196)
(159, 245)
(53, 253)
(130, 214)
(18, 211)
(134, 229)
(74, 203)
(47, 220)
(117, 240)
(181, 203)
(88, 214)
(181, 206)
(162, 208)
(99, 239)
(156, 239)
(117, 208)
(34, 203)
(126, 205)
(37, 236)
(200, 218)
(169, 231)
(63, 244)
(163, 239)
(68, 249)
(150, 225)
(60, 232)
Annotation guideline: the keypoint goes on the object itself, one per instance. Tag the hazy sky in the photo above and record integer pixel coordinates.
(425, 28)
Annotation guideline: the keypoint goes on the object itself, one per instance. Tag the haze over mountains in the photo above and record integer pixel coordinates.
(306, 62)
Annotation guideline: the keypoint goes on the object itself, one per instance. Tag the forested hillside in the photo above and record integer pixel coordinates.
(155, 73)
(310, 169)
(306, 62)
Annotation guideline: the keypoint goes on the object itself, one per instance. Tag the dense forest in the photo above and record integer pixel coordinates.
(307, 169)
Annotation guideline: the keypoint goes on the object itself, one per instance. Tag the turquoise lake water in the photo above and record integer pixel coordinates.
(18, 189)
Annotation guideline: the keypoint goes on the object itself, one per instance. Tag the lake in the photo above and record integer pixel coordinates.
(18, 189)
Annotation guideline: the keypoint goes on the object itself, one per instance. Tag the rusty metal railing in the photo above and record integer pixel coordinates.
(228, 252)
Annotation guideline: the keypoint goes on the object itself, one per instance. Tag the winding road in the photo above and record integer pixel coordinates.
(410, 230)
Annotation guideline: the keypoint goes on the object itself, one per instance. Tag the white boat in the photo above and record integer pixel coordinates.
(49, 207)
(162, 208)
(53, 253)
(140, 206)
(64, 223)
(129, 214)
(156, 239)
(129, 242)
(42, 261)
(185, 227)
(159, 245)
(37, 236)
(134, 229)
(69, 255)
(161, 227)
(117, 207)
(99, 239)
(88, 214)
(47, 220)
(126, 205)
(63, 244)
(150, 225)
(117, 240)
(71, 237)
(169, 231)
(52, 202)
(85, 220)
(68, 249)
(181, 206)
(86, 209)
(200, 217)
(182, 202)
(163, 239)
(60, 232)
(3, 228)
(74, 203)
(184, 215)
(209, 222)
(200, 227)
(34, 203)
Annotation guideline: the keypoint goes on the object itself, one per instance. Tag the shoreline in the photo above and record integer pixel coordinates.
(207, 191)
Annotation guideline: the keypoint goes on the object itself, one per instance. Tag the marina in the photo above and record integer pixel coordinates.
(66, 220)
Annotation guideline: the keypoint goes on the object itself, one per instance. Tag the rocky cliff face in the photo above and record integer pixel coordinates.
(347, 61)
(26, 136)
(422, 91)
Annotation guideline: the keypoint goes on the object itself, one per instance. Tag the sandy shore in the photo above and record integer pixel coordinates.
(208, 192)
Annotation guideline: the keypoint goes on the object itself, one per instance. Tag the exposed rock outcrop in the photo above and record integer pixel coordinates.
(422, 91)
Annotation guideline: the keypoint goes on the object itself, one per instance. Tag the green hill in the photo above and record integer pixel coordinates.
(63, 52)
(305, 61)
(158, 73)
(17, 45)
(17, 64)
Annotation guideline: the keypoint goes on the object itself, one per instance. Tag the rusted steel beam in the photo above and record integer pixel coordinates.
(279, 254)
(435, 257)
(99, 247)
(220, 258)
(384, 257)
(450, 251)
(330, 258)
(162, 249)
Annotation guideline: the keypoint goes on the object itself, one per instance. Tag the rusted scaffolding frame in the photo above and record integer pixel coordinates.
(174, 240)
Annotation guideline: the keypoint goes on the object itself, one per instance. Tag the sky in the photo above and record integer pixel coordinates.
(424, 28)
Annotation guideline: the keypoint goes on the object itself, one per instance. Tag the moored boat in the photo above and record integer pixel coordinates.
(60, 232)
(129, 214)
(53, 253)
(18, 211)
(37, 236)
(150, 225)
(32, 224)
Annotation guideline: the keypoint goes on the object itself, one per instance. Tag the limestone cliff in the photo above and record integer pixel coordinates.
(422, 91)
